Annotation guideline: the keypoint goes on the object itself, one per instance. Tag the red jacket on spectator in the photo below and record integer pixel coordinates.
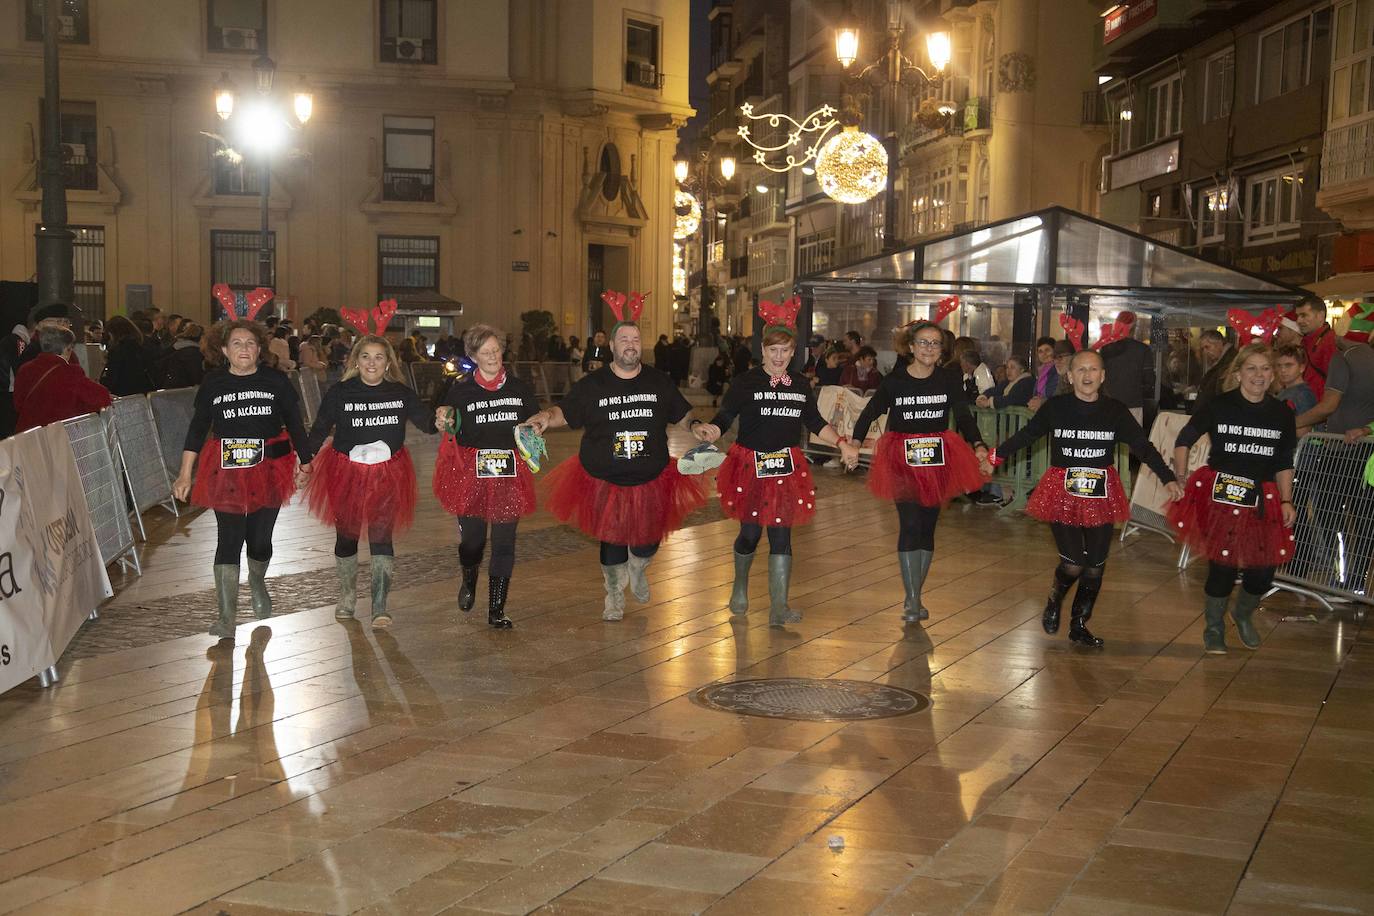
(1320, 347)
(49, 389)
(850, 378)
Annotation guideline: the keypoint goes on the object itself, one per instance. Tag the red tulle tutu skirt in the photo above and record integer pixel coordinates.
(769, 501)
(1051, 503)
(268, 485)
(891, 477)
(642, 514)
(1231, 535)
(462, 493)
(350, 496)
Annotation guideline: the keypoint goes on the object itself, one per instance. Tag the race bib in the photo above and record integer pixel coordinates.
(928, 452)
(631, 444)
(1230, 490)
(237, 454)
(495, 462)
(1086, 483)
(773, 464)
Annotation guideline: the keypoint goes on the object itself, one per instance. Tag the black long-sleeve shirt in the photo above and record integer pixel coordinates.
(1254, 440)
(257, 406)
(770, 418)
(486, 418)
(1085, 434)
(358, 413)
(624, 422)
(919, 405)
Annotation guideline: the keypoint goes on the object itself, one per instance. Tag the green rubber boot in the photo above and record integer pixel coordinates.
(779, 577)
(739, 595)
(615, 577)
(1242, 614)
(914, 565)
(1214, 633)
(257, 587)
(227, 597)
(381, 587)
(347, 568)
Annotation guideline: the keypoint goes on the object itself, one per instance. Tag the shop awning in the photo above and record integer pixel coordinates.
(1353, 285)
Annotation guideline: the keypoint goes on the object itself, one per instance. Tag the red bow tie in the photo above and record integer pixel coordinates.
(775, 379)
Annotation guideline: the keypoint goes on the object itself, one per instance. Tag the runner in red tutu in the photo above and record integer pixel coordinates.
(621, 488)
(478, 475)
(365, 479)
(247, 419)
(1238, 508)
(1080, 494)
(765, 481)
(920, 463)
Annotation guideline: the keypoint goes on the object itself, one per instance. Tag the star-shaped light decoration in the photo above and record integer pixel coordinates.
(815, 129)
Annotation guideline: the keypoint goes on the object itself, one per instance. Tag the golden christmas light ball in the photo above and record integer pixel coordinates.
(852, 166)
(688, 214)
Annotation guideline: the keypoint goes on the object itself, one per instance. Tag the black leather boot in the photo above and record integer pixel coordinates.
(1055, 606)
(1082, 612)
(496, 602)
(467, 592)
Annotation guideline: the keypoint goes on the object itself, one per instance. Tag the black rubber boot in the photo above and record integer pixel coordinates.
(1214, 633)
(1242, 613)
(914, 565)
(739, 595)
(1082, 612)
(1054, 607)
(497, 586)
(467, 592)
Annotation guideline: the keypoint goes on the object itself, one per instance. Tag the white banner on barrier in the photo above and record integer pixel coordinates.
(1149, 492)
(51, 574)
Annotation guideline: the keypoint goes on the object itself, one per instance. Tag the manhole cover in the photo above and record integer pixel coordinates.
(812, 699)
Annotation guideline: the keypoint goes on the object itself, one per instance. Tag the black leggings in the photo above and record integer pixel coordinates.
(615, 554)
(472, 531)
(779, 539)
(1082, 557)
(1222, 579)
(253, 529)
(345, 546)
(917, 526)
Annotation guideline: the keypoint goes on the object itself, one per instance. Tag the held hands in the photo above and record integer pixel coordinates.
(983, 401)
(303, 474)
(849, 454)
(443, 416)
(706, 432)
(1175, 491)
(539, 422)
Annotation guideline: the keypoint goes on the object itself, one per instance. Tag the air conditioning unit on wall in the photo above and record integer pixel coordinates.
(410, 49)
(234, 39)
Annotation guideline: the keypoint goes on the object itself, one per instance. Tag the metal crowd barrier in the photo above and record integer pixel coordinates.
(91, 436)
(550, 380)
(139, 451)
(426, 378)
(172, 410)
(310, 394)
(1334, 533)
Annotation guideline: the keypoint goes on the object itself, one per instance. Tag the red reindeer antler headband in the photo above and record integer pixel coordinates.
(626, 309)
(944, 307)
(1248, 327)
(1074, 330)
(780, 316)
(241, 305)
(1117, 330)
(380, 317)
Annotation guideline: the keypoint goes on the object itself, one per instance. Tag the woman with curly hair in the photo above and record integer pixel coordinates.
(477, 476)
(365, 479)
(247, 421)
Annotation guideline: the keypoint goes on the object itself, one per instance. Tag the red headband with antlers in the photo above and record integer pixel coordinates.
(626, 309)
(380, 316)
(241, 305)
(1117, 330)
(1074, 330)
(1249, 327)
(944, 307)
(780, 316)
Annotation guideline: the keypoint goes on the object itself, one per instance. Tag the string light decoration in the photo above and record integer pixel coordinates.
(688, 214)
(679, 272)
(852, 166)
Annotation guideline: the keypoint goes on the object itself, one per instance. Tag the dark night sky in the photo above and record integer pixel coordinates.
(698, 92)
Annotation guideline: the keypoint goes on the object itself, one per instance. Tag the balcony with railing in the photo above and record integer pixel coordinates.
(1348, 153)
(768, 262)
(408, 185)
(968, 117)
(766, 212)
(724, 125)
(815, 252)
